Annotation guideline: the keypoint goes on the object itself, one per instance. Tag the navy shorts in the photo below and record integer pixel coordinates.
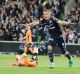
(59, 41)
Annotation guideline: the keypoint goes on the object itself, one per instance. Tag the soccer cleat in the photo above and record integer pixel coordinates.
(70, 63)
(52, 65)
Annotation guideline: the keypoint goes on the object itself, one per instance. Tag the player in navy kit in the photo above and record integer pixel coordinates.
(53, 25)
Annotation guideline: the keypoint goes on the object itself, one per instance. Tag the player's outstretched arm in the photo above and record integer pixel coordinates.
(64, 22)
(34, 23)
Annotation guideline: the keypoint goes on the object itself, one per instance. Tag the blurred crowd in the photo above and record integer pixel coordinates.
(14, 13)
(72, 32)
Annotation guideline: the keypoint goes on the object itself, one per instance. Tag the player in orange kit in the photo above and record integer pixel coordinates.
(29, 46)
(28, 38)
(25, 61)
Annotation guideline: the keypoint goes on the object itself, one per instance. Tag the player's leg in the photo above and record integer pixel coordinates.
(25, 49)
(21, 60)
(62, 46)
(50, 53)
(35, 53)
(31, 50)
(18, 61)
(28, 37)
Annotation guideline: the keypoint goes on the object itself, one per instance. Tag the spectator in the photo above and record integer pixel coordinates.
(71, 36)
(77, 28)
(13, 14)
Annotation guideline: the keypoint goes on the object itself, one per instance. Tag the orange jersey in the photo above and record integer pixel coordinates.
(28, 37)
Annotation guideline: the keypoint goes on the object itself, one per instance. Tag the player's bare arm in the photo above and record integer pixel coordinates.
(34, 23)
(64, 22)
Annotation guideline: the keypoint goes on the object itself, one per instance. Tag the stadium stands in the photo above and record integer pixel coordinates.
(13, 13)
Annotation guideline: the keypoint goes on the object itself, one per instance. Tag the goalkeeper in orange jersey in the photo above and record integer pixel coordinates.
(25, 61)
(29, 46)
(28, 38)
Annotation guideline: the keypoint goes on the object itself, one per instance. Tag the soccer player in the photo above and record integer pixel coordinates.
(29, 45)
(53, 25)
(28, 38)
(25, 61)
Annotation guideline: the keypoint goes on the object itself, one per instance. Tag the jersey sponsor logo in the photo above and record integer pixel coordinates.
(50, 25)
(51, 28)
(50, 21)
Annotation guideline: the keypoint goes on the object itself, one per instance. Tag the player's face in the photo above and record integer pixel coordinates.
(46, 15)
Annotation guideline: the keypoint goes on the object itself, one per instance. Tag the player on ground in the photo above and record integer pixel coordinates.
(54, 29)
(25, 61)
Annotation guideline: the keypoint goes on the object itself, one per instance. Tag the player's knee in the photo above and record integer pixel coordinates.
(17, 57)
(49, 48)
(66, 53)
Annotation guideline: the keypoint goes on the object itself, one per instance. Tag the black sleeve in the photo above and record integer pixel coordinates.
(42, 23)
(55, 19)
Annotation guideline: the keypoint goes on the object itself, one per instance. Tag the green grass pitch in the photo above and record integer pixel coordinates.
(61, 66)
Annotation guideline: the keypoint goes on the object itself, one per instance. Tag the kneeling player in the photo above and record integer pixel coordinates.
(29, 45)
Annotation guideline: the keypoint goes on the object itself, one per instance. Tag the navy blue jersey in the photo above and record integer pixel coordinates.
(53, 27)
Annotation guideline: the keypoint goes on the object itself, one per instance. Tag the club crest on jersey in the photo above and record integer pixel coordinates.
(50, 21)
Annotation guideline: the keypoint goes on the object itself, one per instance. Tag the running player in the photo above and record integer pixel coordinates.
(53, 25)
